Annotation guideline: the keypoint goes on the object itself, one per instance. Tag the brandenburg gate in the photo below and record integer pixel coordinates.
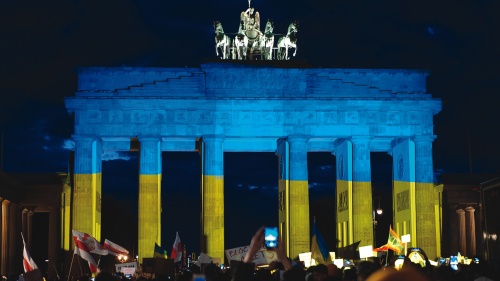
(260, 107)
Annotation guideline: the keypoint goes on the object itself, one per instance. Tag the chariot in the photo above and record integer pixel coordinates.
(250, 43)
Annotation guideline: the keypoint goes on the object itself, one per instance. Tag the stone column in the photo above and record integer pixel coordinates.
(149, 224)
(299, 196)
(87, 186)
(470, 231)
(424, 196)
(212, 195)
(30, 229)
(362, 191)
(5, 237)
(344, 213)
(403, 187)
(13, 238)
(283, 153)
(462, 242)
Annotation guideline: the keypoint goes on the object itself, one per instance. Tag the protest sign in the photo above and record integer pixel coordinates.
(263, 256)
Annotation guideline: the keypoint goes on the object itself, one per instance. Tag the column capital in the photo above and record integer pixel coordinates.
(297, 138)
(424, 138)
(460, 211)
(339, 141)
(360, 139)
(397, 141)
(84, 138)
(5, 202)
(213, 138)
(148, 138)
(470, 209)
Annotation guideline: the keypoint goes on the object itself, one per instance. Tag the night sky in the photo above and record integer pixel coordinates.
(41, 44)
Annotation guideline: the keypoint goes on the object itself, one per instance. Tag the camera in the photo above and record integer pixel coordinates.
(271, 237)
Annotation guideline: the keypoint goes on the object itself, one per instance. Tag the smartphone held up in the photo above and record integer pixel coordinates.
(271, 237)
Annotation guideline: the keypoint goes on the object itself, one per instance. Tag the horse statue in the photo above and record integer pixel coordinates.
(222, 41)
(240, 43)
(267, 40)
(288, 41)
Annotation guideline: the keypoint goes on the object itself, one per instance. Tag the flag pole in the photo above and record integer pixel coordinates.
(71, 266)
(57, 273)
(80, 266)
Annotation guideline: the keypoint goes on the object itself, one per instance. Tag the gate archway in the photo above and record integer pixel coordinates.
(222, 107)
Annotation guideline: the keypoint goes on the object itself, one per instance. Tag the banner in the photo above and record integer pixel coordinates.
(263, 256)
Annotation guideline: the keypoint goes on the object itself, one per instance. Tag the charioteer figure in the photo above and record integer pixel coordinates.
(250, 22)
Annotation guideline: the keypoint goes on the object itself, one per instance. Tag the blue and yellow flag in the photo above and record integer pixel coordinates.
(319, 249)
(160, 252)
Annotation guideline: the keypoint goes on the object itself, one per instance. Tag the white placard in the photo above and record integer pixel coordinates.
(339, 262)
(127, 267)
(365, 251)
(405, 238)
(306, 258)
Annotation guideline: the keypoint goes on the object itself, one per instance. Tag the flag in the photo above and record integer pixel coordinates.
(319, 249)
(393, 243)
(91, 243)
(176, 249)
(28, 263)
(114, 249)
(349, 252)
(160, 252)
(82, 242)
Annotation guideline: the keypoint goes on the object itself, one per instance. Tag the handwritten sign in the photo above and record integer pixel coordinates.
(263, 256)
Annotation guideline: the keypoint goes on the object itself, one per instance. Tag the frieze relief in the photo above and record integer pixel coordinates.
(115, 116)
(202, 117)
(351, 117)
(328, 117)
(414, 118)
(93, 117)
(290, 118)
(394, 118)
(159, 117)
(403, 200)
(137, 117)
(281, 201)
(267, 118)
(245, 117)
(181, 117)
(223, 118)
(371, 117)
(343, 202)
(309, 117)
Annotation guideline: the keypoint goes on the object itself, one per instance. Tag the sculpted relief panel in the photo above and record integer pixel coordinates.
(379, 122)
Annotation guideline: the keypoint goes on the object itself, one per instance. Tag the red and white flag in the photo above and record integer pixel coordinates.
(176, 249)
(114, 249)
(28, 263)
(84, 245)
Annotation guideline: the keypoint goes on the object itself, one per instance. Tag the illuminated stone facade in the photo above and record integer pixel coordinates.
(226, 107)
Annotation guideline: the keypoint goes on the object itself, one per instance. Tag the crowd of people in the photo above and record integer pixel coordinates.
(286, 269)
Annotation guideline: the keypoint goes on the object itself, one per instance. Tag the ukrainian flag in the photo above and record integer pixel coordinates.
(160, 252)
(319, 249)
